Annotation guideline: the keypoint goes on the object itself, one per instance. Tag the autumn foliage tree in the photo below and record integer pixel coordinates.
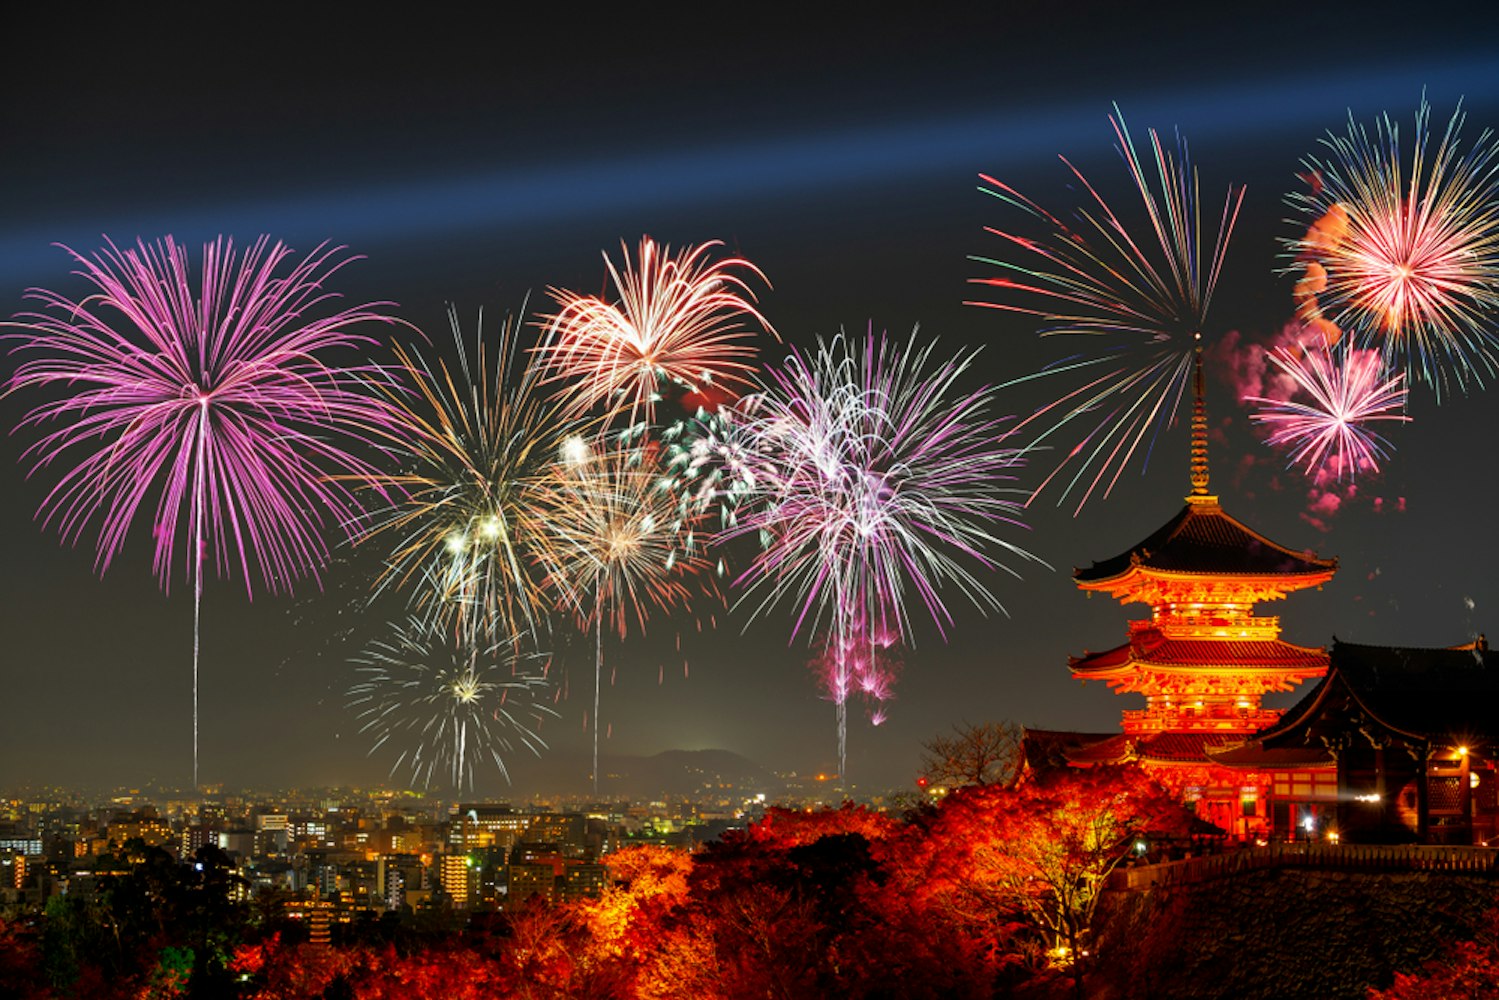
(1466, 970)
(1039, 853)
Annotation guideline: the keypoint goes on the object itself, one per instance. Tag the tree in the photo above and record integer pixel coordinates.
(984, 754)
(1043, 849)
(1466, 969)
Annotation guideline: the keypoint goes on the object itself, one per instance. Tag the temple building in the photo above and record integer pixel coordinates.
(1381, 725)
(1408, 736)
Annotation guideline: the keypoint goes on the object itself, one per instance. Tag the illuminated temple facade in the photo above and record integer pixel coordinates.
(1391, 744)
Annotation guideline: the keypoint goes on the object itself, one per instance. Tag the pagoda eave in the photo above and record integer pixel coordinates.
(1154, 586)
(1155, 682)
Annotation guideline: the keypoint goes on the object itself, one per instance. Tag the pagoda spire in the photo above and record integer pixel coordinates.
(1199, 467)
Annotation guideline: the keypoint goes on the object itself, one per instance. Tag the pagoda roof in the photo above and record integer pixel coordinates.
(1153, 748)
(1423, 693)
(1151, 648)
(1205, 540)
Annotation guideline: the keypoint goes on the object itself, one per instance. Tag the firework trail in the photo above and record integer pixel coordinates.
(1141, 298)
(675, 319)
(1408, 264)
(1349, 390)
(614, 555)
(223, 402)
(467, 516)
(877, 479)
(451, 698)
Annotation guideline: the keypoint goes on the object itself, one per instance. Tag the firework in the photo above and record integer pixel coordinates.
(676, 319)
(1408, 263)
(450, 698)
(466, 521)
(614, 556)
(223, 403)
(1141, 299)
(710, 468)
(877, 479)
(860, 665)
(1350, 389)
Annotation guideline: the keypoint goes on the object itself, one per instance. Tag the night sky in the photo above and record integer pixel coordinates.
(476, 164)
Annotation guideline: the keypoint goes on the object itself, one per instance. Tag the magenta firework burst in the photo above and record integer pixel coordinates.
(1348, 391)
(222, 410)
(1138, 291)
(879, 482)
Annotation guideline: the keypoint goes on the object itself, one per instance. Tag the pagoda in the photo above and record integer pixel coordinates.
(1203, 659)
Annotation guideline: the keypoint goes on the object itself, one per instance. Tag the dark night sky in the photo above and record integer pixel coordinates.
(473, 166)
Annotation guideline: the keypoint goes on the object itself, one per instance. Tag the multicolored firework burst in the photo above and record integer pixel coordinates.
(877, 478)
(1349, 389)
(1142, 299)
(615, 554)
(675, 319)
(1407, 263)
(709, 467)
(450, 698)
(229, 403)
(466, 518)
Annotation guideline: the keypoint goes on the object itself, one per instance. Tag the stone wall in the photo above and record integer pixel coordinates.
(1281, 933)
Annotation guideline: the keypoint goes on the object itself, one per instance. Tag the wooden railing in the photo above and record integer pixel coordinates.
(1357, 857)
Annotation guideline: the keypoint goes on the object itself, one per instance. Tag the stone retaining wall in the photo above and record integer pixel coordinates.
(1281, 933)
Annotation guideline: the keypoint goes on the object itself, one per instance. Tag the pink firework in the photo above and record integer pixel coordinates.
(675, 320)
(1349, 390)
(860, 665)
(218, 406)
(878, 485)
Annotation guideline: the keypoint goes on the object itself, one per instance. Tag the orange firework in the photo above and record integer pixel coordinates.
(613, 555)
(676, 320)
(1408, 262)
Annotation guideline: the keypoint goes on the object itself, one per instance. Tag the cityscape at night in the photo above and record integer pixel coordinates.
(963, 504)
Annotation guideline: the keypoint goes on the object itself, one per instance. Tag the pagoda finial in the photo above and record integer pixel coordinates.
(1199, 467)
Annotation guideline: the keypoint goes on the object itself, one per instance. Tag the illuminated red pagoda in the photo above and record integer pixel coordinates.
(1203, 659)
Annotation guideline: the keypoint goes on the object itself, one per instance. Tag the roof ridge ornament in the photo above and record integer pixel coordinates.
(1199, 453)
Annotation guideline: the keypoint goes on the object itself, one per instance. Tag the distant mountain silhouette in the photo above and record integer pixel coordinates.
(669, 773)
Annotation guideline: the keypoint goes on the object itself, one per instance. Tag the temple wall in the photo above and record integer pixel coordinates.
(1282, 933)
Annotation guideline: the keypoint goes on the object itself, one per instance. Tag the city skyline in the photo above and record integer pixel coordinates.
(847, 173)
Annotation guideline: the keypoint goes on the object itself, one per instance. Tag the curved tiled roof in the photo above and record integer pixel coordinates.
(1149, 647)
(1427, 691)
(1204, 539)
(1157, 748)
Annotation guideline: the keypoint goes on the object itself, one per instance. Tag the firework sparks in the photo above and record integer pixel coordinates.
(677, 319)
(450, 699)
(1349, 389)
(860, 664)
(614, 555)
(709, 466)
(1142, 302)
(467, 520)
(1408, 265)
(220, 402)
(877, 477)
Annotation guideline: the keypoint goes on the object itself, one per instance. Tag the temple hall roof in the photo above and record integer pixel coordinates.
(1432, 693)
(1204, 539)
